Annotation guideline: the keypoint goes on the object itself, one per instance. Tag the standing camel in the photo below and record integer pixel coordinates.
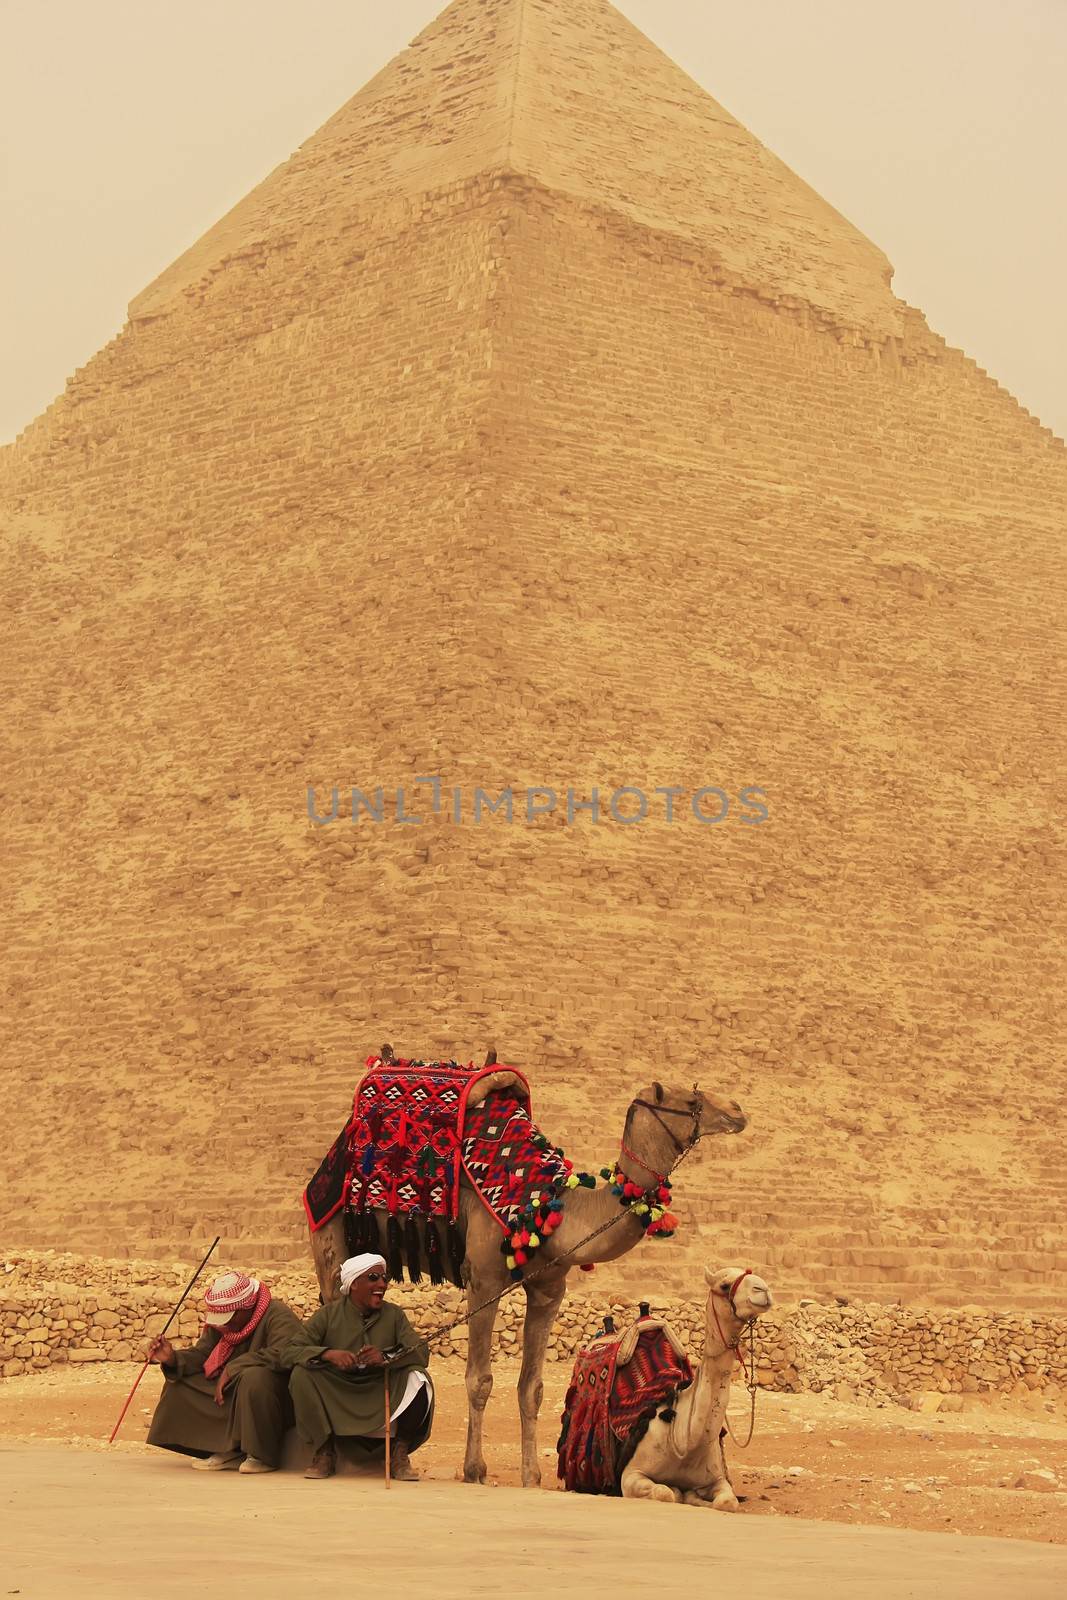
(662, 1125)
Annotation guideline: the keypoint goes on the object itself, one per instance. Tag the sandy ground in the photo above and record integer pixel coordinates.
(86, 1520)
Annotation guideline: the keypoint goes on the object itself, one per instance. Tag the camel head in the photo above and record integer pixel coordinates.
(735, 1293)
(689, 1114)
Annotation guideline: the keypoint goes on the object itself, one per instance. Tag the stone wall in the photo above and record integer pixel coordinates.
(868, 1353)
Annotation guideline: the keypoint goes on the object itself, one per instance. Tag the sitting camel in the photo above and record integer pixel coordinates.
(680, 1456)
(662, 1125)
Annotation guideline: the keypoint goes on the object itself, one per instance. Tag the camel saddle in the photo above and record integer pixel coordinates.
(619, 1383)
(400, 1151)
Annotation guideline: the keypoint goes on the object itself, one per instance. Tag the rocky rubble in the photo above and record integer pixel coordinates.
(63, 1308)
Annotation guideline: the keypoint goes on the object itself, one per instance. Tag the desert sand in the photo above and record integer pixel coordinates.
(847, 1501)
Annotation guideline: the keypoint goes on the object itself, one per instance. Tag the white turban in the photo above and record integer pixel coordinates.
(356, 1266)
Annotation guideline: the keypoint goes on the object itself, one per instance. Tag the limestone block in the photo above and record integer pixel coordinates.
(1039, 1480)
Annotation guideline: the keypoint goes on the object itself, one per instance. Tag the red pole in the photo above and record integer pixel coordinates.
(162, 1335)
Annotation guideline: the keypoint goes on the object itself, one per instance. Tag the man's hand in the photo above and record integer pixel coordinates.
(370, 1357)
(160, 1350)
(344, 1360)
(220, 1383)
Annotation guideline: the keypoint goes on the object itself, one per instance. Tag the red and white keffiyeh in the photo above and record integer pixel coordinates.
(234, 1291)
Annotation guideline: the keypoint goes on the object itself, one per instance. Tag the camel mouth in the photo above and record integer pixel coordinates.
(734, 1121)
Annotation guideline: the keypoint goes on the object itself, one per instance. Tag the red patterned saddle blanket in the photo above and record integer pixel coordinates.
(618, 1383)
(415, 1128)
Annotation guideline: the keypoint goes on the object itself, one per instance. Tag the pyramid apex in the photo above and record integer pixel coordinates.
(576, 98)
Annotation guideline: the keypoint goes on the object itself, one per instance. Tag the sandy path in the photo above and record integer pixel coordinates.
(83, 1525)
(82, 1520)
(812, 1458)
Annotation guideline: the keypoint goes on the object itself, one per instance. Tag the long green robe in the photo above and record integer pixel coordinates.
(352, 1404)
(256, 1410)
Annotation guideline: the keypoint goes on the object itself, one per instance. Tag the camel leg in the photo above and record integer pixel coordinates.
(328, 1251)
(636, 1486)
(718, 1492)
(542, 1302)
(479, 1380)
(716, 1496)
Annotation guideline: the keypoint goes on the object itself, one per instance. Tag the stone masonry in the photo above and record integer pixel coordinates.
(59, 1309)
(534, 426)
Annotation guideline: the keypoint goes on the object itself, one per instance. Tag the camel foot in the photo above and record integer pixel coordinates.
(722, 1499)
(474, 1473)
(655, 1491)
(532, 1480)
(635, 1486)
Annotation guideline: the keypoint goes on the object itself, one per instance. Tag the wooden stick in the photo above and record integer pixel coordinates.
(159, 1336)
(388, 1428)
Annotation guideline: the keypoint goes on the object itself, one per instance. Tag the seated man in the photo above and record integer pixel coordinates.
(350, 1350)
(226, 1400)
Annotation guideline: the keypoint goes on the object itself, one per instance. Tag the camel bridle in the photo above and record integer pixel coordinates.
(681, 1147)
(749, 1368)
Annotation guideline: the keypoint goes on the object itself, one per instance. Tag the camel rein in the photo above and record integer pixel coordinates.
(750, 1370)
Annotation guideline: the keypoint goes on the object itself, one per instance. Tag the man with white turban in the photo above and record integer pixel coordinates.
(225, 1400)
(350, 1350)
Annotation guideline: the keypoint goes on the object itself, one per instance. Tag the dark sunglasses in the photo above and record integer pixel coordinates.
(373, 1277)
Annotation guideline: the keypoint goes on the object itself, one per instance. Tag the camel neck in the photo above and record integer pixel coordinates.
(721, 1339)
(648, 1154)
(710, 1386)
(587, 1211)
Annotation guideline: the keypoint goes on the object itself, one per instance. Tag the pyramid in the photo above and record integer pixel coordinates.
(534, 428)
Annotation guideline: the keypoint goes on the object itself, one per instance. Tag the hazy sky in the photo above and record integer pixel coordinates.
(936, 126)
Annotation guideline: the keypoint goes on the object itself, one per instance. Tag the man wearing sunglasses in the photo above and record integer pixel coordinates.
(353, 1347)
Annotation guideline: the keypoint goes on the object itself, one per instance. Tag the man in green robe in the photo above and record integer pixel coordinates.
(225, 1400)
(352, 1348)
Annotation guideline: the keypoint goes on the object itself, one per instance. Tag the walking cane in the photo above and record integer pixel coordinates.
(159, 1336)
(388, 1429)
